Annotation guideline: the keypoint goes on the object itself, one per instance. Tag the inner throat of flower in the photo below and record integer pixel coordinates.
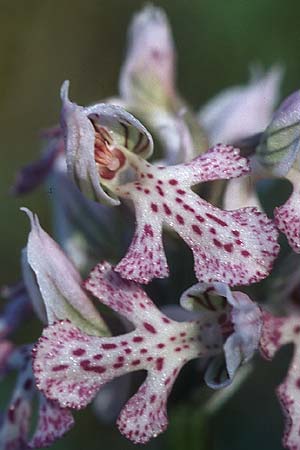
(109, 158)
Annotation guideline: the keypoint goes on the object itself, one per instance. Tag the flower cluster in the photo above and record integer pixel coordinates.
(97, 163)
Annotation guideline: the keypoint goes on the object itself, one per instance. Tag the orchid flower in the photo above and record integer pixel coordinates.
(53, 421)
(148, 88)
(71, 366)
(50, 278)
(104, 148)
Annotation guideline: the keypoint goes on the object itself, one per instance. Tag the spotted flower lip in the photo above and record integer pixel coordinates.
(95, 140)
(234, 247)
(59, 282)
(71, 366)
(277, 332)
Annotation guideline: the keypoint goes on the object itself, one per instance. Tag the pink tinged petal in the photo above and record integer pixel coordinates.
(241, 111)
(279, 148)
(242, 330)
(235, 247)
(70, 366)
(32, 288)
(148, 408)
(278, 331)
(150, 56)
(287, 216)
(53, 423)
(59, 282)
(35, 173)
(100, 132)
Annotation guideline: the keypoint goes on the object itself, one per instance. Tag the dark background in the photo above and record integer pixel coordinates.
(42, 43)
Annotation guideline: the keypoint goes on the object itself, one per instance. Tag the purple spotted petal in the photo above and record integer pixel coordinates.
(278, 331)
(34, 174)
(59, 282)
(70, 366)
(241, 111)
(243, 330)
(287, 216)
(235, 247)
(100, 132)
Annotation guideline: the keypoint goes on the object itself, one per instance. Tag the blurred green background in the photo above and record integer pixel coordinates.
(44, 42)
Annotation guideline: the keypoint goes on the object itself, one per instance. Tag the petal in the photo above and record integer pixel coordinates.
(35, 173)
(149, 65)
(32, 288)
(145, 414)
(59, 282)
(53, 423)
(241, 111)
(124, 297)
(219, 162)
(241, 321)
(122, 129)
(280, 143)
(287, 216)
(278, 331)
(235, 247)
